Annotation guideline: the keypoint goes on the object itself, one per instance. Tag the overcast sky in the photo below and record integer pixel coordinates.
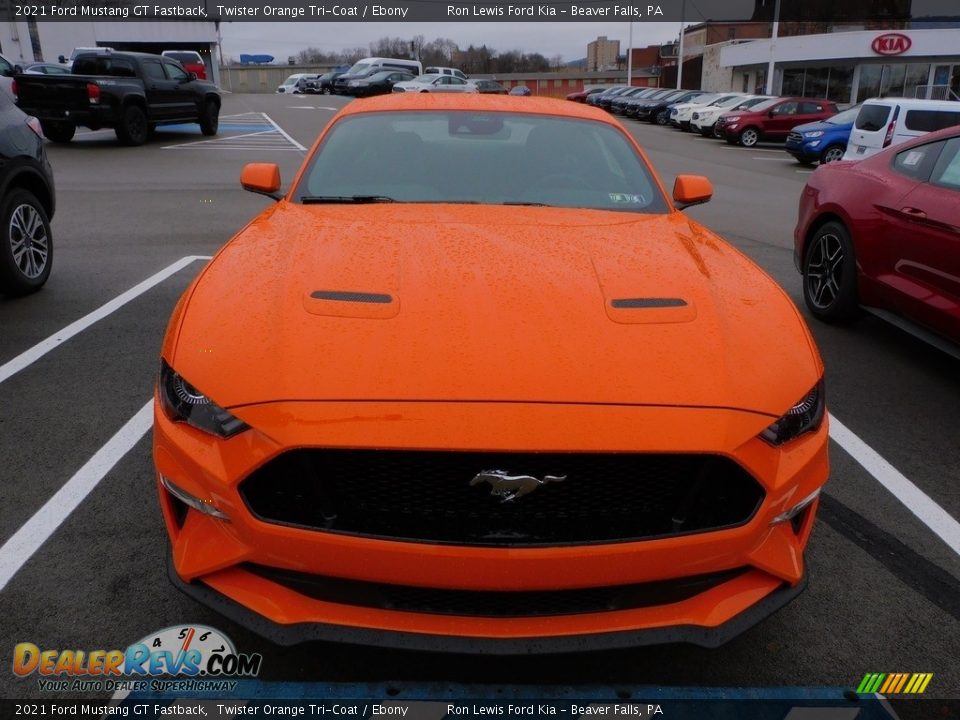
(569, 39)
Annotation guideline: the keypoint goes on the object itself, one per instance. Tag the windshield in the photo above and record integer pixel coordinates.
(514, 158)
(727, 101)
(758, 105)
(432, 78)
(292, 80)
(704, 99)
(358, 68)
(844, 118)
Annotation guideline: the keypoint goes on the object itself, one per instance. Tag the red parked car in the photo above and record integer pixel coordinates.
(772, 121)
(581, 96)
(190, 60)
(884, 234)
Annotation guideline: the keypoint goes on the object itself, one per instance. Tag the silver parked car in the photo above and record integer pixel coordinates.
(436, 83)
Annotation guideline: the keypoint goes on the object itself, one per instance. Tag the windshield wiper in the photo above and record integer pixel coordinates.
(345, 199)
(528, 204)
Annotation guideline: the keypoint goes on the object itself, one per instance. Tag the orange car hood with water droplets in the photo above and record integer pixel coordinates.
(480, 303)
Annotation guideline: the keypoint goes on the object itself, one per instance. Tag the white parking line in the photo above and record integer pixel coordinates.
(35, 532)
(12, 367)
(915, 500)
(284, 133)
(777, 159)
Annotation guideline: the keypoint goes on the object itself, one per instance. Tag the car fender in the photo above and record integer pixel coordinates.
(23, 173)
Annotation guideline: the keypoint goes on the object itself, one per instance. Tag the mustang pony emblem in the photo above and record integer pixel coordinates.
(510, 487)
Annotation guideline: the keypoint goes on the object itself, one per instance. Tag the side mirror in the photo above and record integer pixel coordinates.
(62, 59)
(192, 76)
(261, 178)
(17, 69)
(691, 190)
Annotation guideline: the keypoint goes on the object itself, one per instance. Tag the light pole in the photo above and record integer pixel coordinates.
(683, 10)
(630, 56)
(773, 40)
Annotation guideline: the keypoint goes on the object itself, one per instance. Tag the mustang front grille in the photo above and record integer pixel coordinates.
(543, 498)
(493, 603)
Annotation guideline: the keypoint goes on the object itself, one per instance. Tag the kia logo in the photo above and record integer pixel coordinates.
(891, 44)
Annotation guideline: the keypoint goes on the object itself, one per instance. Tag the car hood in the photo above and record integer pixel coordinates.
(825, 126)
(460, 302)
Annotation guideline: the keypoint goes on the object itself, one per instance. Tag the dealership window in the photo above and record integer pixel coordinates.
(900, 80)
(833, 83)
(869, 82)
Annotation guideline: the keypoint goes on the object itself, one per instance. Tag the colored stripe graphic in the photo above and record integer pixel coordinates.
(894, 683)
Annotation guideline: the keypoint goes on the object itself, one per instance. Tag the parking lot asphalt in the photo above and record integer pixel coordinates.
(884, 593)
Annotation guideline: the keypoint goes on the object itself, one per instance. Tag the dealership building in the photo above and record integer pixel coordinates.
(27, 42)
(847, 67)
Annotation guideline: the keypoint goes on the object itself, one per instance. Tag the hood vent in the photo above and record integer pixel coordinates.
(647, 303)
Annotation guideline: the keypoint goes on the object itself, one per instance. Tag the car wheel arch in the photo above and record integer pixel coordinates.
(26, 178)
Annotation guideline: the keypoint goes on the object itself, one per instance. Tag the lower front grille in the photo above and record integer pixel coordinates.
(489, 603)
(447, 497)
(794, 137)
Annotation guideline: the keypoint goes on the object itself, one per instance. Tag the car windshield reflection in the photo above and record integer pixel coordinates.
(492, 158)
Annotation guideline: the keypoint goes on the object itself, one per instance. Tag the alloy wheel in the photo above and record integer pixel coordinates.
(825, 271)
(28, 241)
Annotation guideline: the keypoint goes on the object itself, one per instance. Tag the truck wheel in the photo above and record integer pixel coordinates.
(26, 244)
(58, 132)
(210, 118)
(133, 127)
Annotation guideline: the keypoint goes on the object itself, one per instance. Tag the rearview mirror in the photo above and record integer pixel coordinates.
(691, 190)
(261, 178)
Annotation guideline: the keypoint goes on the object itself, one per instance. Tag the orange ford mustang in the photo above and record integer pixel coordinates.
(475, 383)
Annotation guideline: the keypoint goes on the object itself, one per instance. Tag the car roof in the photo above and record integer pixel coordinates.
(484, 103)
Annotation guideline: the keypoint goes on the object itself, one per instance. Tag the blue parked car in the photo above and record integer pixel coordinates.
(824, 141)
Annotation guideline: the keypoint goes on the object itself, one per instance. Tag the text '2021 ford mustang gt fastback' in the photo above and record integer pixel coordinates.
(475, 383)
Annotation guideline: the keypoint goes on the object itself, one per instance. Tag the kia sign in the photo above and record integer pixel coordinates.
(891, 44)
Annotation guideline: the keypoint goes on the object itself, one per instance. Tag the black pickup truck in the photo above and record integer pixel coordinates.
(130, 92)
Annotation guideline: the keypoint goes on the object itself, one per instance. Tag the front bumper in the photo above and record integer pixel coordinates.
(301, 632)
(808, 150)
(211, 559)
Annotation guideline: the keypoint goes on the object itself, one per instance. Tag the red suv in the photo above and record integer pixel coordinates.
(772, 120)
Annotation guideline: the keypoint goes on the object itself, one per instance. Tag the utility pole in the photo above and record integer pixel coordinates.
(630, 56)
(683, 12)
(773, 41)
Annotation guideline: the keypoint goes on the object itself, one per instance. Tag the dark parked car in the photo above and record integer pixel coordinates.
(489, 87)
(619, 102)
(773, 122)
(641, 110)
(659, 112)
(631, 104)
(26, 203)
(612, 90)
(881, 234)
(520, 90)
(325, 81)
(379, 83)
(130, 92)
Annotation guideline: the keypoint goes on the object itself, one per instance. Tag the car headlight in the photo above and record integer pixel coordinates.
(184, 403)
(735, 118)
(813, 134)
(803, 417)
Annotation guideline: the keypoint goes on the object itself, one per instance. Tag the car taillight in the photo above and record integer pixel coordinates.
(13, 88)
(93, 93)
(34, 125)
(890, 128)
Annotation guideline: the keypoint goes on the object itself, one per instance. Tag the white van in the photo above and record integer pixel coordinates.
(444, 71)
(883, 122)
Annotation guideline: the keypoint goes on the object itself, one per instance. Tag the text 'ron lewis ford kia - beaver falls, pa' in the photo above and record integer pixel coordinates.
(527, 407)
